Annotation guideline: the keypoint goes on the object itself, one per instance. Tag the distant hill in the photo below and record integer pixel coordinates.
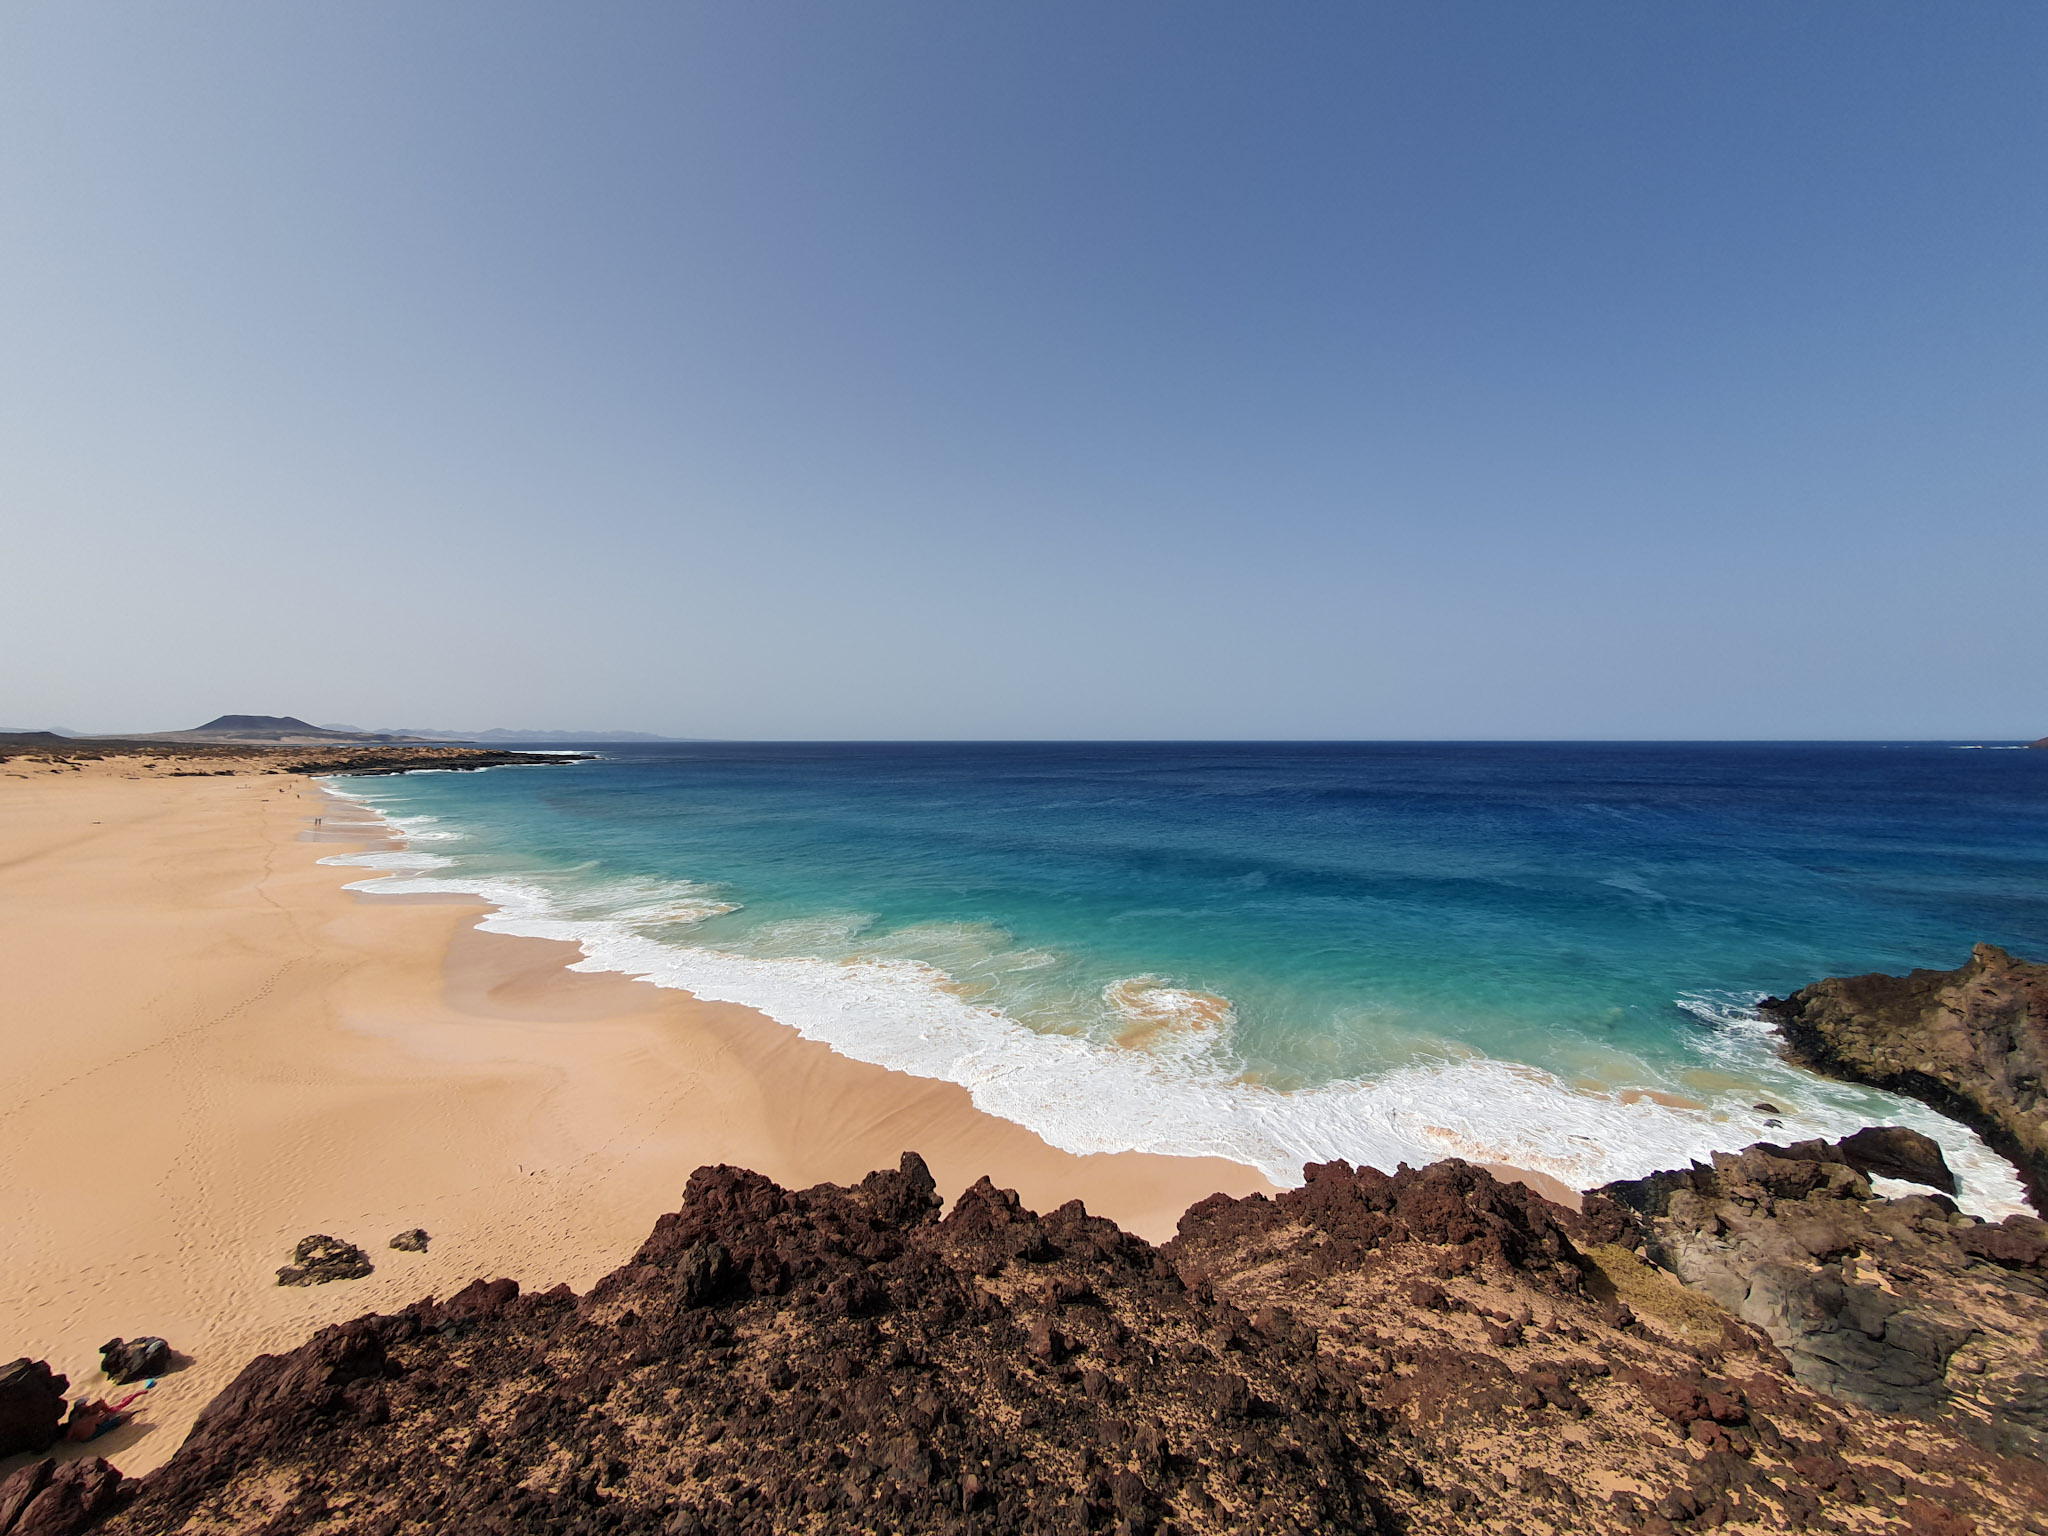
(250, 725)
(267, 730)
(289, 730)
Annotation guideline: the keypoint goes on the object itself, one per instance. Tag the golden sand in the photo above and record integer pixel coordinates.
(214, 1049)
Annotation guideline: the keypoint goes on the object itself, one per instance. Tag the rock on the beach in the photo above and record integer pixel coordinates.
(320, 1258)
(1972, 1042)
(132, 1359)
(413, 1240)
(31, 1406)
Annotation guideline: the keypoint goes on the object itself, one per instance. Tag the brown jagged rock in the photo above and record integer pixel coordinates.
(1895, 1152)
(127, 1360)
(320, 1258)
(412, 1240)
(841, 1360)
(31, 1406)
(70, 1499)
(19, 1487)
(1903, 1306)
(1972, 1042)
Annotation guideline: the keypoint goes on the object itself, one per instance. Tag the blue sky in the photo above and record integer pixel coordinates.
(1069, 370)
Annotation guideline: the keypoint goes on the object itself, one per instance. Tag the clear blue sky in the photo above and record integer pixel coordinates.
(1074, 370)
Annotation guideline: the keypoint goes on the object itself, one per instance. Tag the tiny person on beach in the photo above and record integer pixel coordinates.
(90, 1420)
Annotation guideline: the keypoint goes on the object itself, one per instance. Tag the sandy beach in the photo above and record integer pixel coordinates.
(213, 1049)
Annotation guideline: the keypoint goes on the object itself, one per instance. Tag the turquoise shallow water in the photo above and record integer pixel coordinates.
(1278, 951)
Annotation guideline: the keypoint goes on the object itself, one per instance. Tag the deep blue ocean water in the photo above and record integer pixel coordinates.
(1279, 950)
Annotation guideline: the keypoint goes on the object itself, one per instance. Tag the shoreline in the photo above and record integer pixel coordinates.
(367, 832)
(218, 1049)
(1508, 1116)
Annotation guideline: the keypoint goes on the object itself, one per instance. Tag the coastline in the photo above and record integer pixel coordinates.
(217, 1049)
(821, 899)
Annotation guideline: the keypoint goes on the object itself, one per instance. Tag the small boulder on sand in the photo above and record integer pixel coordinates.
(413, 1241)
(128, 1360)
(320, 1258)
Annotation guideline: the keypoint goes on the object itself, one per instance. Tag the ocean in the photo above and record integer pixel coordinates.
(1539, 954)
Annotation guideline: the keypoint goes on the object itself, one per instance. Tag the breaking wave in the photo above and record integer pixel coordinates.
(1169, 1083)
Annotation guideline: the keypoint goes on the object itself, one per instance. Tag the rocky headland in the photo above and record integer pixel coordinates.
(192, 755)
(1428, 1351)
(1904, 1306)
(1971, 1042)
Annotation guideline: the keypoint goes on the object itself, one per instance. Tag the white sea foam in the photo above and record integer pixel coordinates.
(652, 903)
(398, 858)
(1736, 1034)
(421, 828)
(1169, 1022)
(1084, 1097)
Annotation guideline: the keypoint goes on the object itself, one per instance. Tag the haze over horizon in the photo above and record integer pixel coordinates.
(1470, 371)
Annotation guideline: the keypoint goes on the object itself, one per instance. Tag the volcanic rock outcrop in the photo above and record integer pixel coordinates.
(1431, 1351)
(31, 1406)
(46, 1498)
(320, 1258)
(1972, 1042)
(127, 1360)
(1903, 1306)
(1895, 1152)
(195, 754)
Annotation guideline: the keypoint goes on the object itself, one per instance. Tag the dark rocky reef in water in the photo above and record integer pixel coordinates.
(1902, 1306)
(1972, 1043)
(367, 762)
(1432, 1351)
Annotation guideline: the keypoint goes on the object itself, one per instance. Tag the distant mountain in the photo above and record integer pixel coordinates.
(267, 730)
(247, 725)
